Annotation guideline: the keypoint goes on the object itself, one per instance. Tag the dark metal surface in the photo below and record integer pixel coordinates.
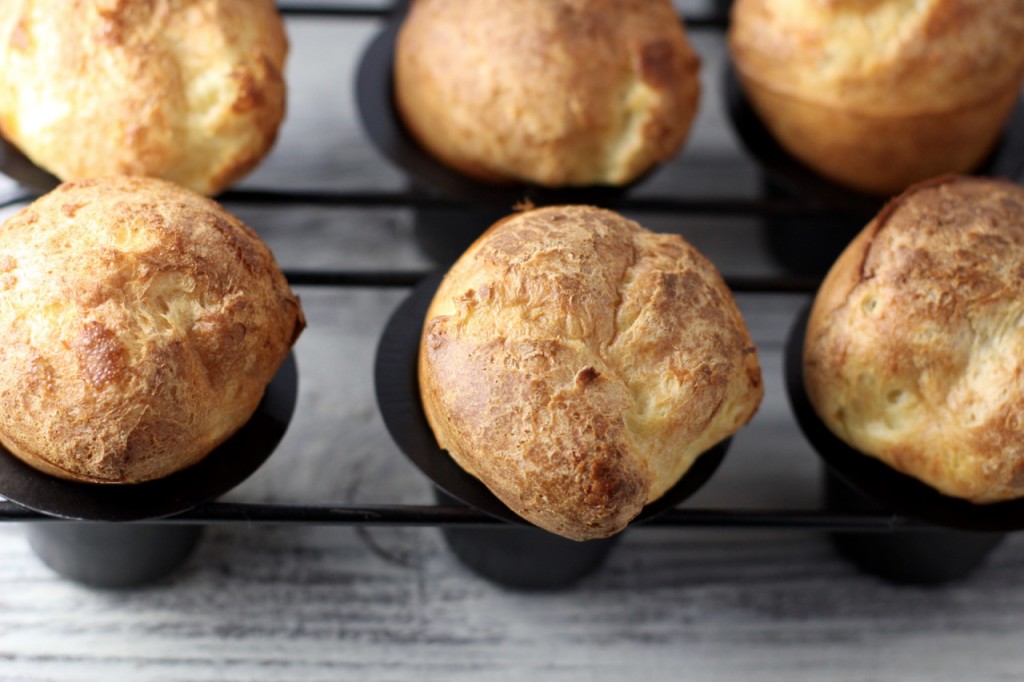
(408, 515)
(346, 11)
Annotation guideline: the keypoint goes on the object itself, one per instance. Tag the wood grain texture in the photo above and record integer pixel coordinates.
(314, 603)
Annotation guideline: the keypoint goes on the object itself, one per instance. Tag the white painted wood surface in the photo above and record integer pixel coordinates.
(313, 603)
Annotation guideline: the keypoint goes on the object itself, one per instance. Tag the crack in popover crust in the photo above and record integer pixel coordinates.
(140, 324)
(914, 351)
(577, 364)
(191, 91)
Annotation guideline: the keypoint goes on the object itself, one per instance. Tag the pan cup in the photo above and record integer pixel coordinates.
(958, 536)
(113, 555)
(523, 557)
(107, 535)
(933, 556)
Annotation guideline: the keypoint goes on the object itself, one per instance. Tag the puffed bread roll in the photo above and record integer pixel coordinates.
(551, 92)
(191, 91)
(139, 326)
(914, 351)
(577, 364)
(880, 94)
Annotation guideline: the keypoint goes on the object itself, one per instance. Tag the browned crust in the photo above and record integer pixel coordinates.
(578, 364)
(913, 352)
(188, 90)
(881, 58)
(850, 268)
(139, 323)
(880, 95)
(555, 93)
(882, 154)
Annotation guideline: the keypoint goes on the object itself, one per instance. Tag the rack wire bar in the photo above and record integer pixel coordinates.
(355, 278)
(434, 515)
(380, 12)
(339, 11)
(745, 207)
(786, 284)
(727, 206)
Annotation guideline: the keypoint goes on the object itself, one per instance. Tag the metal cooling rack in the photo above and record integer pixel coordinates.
(441, 515)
